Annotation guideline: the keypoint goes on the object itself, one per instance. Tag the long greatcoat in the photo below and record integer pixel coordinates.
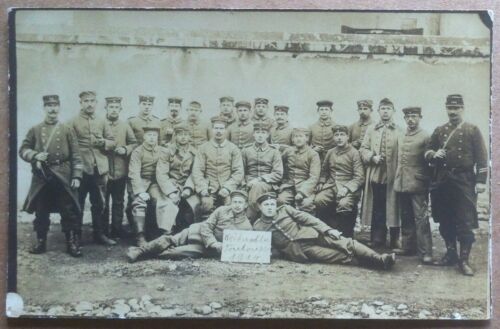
(64, 161)
(369, 148)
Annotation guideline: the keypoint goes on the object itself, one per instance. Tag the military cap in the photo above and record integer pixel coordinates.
(281, 108)
(219, 119)
(386, 101)
(195, 103)
(300, 131)
(340, 128)
(261, 126)
(87, 93)
(50, 99)
(151, 128)
(266, 196)
(243, 104)
(181, 127)
(260, 100)
(149, 99)
(324, 103)
(455, 100)
(175, 100)
(412, 110)
(226, 99)
(365, 103)
(110, 100)
(239, 193)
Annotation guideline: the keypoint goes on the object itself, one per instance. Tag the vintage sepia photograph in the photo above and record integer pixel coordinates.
(250, 164)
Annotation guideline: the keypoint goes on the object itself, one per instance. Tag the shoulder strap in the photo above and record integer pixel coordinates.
(52, 133)
(452, 133)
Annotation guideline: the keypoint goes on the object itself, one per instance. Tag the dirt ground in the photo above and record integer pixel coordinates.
(103, 284)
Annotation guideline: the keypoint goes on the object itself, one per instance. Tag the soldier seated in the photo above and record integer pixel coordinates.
(200, 239)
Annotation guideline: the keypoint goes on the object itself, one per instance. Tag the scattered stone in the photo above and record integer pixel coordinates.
(149, 271)
(260, 313)
(340, 307)
(378, 303)
(172, 267)
(145, 298)
(154, 309)
(160, 287)
(314, 298)
(387, 308)
(344, 315)
(205, 309)
(55, 310)
(402, 307)
(121, 310)
(180, 311)
(424, 314)
(233, 314)
(196, 264)
(84, 307)
(166, 313)
(321, 303)
(456, 316)
(367, 311)
(215, 305)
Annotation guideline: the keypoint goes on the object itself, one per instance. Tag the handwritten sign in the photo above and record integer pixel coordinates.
(246, 246)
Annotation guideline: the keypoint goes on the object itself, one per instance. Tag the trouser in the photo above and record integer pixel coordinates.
(344, 221)
(95, 186)
(287, 196)
(379, 214)
(54, 196)
(165, 210)
(454, 207)
(210, 202)
(254, 192)
(326, 249)
(115, 194)
(415, 227)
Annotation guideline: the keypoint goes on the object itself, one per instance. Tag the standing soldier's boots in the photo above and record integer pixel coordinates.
(40, 245)
(149, 248)
(73, 244)
(451, 256)
(140, 223)
(463, 264)
(370, 257)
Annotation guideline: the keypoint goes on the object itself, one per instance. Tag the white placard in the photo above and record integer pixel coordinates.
(246, 246)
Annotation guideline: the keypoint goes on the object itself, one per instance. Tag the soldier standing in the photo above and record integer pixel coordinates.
(241, 132)
(125, 143)
(458, 153)
(379, 152)
(412, 184)
(301, 170)
(357, 130)
(301, 237)
(145, 118)
(217, 169)
(226, 105)
(263, 167)
(340, 184)
(173, 173)
(281, 134)
(173, 118)
(199, 239)
(199, 130)
(260, 114)
(95, 138)
(145, 188)
(52, 150)
(321, 131)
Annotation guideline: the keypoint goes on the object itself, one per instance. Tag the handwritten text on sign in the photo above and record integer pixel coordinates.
(246, 246)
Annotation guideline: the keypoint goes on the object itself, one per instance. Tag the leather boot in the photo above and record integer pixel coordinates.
(101, 238)
(151, 248)
(40, 245)
(394, 241)
(73, 244)
(451, 256)
(140, 223)
(463, 264)
(372, 258)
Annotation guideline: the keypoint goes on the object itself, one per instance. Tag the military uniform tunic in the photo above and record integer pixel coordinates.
(282, 135)
(453, 195)
(322, 135)
(137, 124)
(241, 134)
(357, 132)
(167, 129)
(200, 132)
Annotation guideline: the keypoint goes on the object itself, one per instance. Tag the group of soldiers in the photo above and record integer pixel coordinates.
(188, 180)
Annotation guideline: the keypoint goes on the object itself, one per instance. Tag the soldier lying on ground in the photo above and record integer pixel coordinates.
(301, 237)
(199, 239)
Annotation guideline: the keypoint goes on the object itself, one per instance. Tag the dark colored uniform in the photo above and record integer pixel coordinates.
(453, 194)
(50, 189)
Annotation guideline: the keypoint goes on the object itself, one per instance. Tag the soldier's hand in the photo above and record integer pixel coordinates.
(42, 156)
(342, 192)
(480, 188)
(99, 141)
(319, 187)
(186, 193)
(344, 203)
(75, 183)
(218, 247)
(144, 196)
(175, 197)
(299, 197)
(224, 192)
(334, 233)
(121, 150)
(440, 154)
(318, 148)
(204, 193)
